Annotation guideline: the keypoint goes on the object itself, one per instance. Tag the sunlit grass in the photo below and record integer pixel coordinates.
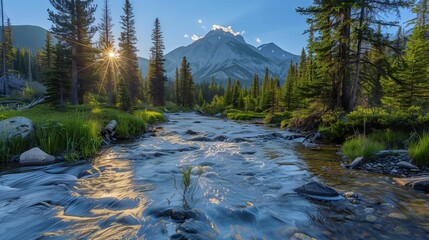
(76, 133)
(419, 151)
(234, 114)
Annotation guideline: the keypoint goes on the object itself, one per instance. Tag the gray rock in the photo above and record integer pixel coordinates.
(218, 115)
(201, 139)
(423, 186)
(220, 138)
(35, 156)
(16, 127)
(406, 165)
(358, 161)
(190, 132)
(317, 189)
(391, 152)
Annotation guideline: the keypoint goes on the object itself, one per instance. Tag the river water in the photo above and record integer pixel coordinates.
(242, 187)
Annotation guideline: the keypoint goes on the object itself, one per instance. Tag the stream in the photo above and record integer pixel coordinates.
(242, 187)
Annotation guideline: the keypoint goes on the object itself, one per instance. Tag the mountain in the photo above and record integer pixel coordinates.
(29, 37)
(143, 65)
(219, 54)
(274, 52)
(222, 54)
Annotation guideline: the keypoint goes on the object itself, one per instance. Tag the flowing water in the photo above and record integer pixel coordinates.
(242, 187)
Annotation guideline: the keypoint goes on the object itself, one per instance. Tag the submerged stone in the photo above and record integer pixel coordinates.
(190, 132)
(315, 189)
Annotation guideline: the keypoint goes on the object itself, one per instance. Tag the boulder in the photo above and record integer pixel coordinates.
(406, 165)
(16, 127)
(358, 161)
(218, 115)
(35, 156)
(423, 186)
(315, 189)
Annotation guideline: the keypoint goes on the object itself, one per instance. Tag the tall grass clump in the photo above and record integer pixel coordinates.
(390, 138)
(77, 136)
(361, 147)
(12, 147)
(419, 151)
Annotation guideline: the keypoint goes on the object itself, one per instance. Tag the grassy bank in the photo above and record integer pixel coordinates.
(75, 133)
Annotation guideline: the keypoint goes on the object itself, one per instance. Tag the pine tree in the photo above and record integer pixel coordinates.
(236, 92)
(265, 92)
(413, 76)
(46, 57)
(228, 93)
(200, 100)
(106, 46)
(289, 97)
(125, 99)
(177, 87)
(73, 23)
(10, 54)
(128, 53)
(156, 70)
(57, 77)
(185, 85)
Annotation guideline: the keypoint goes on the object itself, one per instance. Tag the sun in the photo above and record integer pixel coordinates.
(112, 54)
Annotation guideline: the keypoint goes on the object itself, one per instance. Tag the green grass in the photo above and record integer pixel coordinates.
(234, 114)
(75, 133)
(361, 147)
(391, 139)
(419, 151)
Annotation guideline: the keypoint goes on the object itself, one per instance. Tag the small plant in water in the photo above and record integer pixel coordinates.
(187, 186)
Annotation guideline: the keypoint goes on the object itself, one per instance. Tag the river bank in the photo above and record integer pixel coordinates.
(75, 134)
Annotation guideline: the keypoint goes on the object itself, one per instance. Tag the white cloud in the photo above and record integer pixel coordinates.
(200, 21)
(242, 32)
(225, 29)
(186, 36)
(258, 40)
(195, 37)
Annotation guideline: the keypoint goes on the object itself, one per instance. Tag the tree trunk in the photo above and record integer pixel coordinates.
(355, 85)
(74, 75)
(109, 85)
(74, 79)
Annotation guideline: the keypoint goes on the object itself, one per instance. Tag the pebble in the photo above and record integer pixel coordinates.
(301, 236)
(397, 216)
(371, 218)
(350, 195)
(401, 230)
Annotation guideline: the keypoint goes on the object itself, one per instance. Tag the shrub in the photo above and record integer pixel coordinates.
(361, 147)
(419, 151)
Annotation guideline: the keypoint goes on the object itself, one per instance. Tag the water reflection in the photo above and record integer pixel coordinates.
(105, 205)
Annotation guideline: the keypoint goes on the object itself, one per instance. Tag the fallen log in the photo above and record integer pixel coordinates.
(109, 131)
(111, 126)
(418, 182)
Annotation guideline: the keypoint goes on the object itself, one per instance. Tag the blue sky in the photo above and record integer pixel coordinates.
(266, 20)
